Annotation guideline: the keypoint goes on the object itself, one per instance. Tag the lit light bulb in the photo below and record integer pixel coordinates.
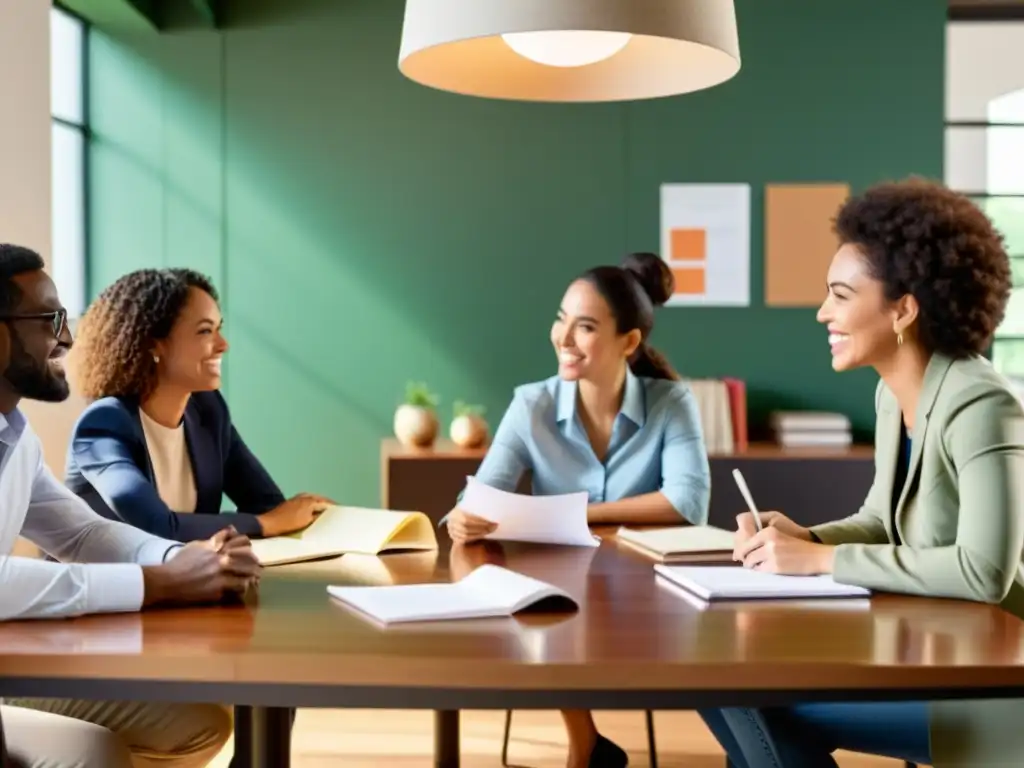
(567, 48)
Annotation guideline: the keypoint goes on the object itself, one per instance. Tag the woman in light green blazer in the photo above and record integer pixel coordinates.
(915, 291)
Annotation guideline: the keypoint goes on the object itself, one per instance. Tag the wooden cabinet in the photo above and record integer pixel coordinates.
(810, 485)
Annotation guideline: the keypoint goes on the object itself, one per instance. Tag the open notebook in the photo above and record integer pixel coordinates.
(681, 543)
(344, 530)
(488, 591)
(711, 582)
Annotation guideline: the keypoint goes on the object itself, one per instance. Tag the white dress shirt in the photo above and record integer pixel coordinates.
(100, 569)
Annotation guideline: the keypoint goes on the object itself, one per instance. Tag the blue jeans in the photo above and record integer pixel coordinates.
(806, 735)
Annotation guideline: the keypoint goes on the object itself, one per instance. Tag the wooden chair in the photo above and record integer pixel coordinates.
(651, 748)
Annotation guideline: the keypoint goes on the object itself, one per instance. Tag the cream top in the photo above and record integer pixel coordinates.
(172, 466)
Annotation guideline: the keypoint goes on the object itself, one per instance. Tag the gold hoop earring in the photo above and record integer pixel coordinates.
(899, 339)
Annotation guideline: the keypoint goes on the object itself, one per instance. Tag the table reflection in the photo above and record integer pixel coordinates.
(542, 634)
(198, 631)
(365, 570)
(122, 633)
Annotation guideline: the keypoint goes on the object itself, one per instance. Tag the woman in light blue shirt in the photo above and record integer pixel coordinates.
(615, 422)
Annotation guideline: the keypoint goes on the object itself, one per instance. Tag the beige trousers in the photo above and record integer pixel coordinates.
(55, 733)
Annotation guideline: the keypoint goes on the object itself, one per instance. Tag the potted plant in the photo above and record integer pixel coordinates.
(468, 429)
(416, 419)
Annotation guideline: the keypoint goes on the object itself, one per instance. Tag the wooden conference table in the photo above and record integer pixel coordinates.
(636, 643)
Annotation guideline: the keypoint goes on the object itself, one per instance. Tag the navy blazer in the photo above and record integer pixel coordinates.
(108, 465)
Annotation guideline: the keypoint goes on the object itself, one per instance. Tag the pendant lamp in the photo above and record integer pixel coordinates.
(569, 50)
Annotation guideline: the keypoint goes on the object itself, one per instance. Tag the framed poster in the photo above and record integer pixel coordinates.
(705, 238)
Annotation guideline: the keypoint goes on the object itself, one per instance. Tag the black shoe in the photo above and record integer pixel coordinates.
(607, 754)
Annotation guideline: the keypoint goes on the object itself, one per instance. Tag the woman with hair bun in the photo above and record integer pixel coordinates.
(615, 422)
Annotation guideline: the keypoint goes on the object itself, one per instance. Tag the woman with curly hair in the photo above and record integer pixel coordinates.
(916, 291)
(156, 448)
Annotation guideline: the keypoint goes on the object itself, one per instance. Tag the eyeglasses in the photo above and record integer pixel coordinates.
(58, 318)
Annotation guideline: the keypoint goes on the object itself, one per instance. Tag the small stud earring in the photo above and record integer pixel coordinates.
(156, 358)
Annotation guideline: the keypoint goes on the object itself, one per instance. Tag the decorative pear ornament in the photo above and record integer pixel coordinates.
(416, 423)
(468, 429)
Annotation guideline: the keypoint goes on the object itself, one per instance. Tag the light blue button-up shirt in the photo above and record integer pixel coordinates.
(656, 445)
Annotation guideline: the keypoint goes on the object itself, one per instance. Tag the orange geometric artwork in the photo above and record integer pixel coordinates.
(705, 241)
(688, 245)
(689, 280)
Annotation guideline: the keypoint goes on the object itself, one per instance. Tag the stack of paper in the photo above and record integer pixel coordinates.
(342, 530)
(488, 591)
(558, 519)
(737, 583)
(681, 543)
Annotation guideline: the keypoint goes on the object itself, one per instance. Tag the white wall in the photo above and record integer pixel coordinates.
(25, 187)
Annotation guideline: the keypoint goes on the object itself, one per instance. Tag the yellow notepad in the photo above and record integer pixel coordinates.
(681, 543)
(343, 530)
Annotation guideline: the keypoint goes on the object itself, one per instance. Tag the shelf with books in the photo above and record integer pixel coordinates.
(811, 485)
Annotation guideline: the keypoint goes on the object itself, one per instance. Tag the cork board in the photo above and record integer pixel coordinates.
(798, 241)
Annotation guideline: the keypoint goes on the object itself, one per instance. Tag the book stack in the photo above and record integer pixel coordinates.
(723, 413)
(811, 429)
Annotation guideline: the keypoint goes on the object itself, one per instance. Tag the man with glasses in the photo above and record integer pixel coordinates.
(98, 566)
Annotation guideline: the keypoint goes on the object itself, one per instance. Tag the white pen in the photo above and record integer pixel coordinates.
(742, 484)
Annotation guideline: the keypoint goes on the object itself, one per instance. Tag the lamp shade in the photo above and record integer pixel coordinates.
(569, 50)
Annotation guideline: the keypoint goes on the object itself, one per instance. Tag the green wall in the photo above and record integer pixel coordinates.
(365, 230)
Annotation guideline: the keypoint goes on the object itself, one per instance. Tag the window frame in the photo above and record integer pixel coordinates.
(83, 128)
(990, 14)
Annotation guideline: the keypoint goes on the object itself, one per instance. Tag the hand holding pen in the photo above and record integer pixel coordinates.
(770, 541)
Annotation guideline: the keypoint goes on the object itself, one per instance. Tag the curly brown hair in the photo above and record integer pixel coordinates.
(923, 239)
(113, 350)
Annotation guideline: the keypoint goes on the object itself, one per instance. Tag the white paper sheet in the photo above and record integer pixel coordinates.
(560, 519)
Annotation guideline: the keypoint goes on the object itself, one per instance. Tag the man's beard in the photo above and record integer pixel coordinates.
(31, 381)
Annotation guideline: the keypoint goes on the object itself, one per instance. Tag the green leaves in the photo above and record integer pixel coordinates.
(461, 408)
(418, 393)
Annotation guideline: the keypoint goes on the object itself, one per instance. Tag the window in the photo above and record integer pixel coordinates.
(985, 149)
(69, 133)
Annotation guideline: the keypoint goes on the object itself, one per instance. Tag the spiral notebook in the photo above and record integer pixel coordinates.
(711, 582)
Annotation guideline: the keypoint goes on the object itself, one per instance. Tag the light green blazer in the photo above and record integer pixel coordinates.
(960, 520)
